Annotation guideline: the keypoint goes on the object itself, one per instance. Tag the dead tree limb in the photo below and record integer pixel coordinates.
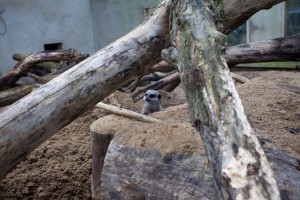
(10, 96)
(237, 12)
(127, 113)
(18, 56)
(49, 66)
(156, 85)
(39, 115)
(279, 49)
(162, 66)
(23, 66)
(238, 163)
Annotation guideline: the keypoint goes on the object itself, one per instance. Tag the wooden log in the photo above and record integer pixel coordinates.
(120, 169)
(50, 76)
(22, 67)
(238, 12)
(100, 143)
(156, 85)
(239, 78)
(35, 118)
(127, 113)
(10, 96)
(162, 66)
(18, 56)
(150, 173)
(279, 49)
(238, 163)
(49, 66)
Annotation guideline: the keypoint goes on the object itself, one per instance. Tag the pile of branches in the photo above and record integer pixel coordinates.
(33, 70)
(39, 68)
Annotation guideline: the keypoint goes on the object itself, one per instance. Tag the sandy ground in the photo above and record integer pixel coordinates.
(61, 167)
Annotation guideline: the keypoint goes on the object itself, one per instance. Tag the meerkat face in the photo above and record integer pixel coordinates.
(152, 96)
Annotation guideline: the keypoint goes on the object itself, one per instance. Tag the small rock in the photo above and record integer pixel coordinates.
(295, 131)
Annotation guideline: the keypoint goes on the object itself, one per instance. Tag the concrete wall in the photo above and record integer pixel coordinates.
(115, 18)
(33, 23)
(86, 25)
(267, 24)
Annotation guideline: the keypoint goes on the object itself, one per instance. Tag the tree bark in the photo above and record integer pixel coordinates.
(238, 163)
(279, 49)
(10, 96)
(237, 12)
(120, 169)
(36, 117)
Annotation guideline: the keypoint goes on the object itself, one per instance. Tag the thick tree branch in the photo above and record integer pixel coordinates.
(279, 49)
(238, 12)
(239, 165)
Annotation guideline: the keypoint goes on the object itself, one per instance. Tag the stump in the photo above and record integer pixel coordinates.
(130, 161)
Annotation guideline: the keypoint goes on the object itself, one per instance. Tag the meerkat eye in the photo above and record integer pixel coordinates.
(151, 96)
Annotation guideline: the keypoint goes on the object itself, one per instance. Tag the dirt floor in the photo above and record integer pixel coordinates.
(61, 167)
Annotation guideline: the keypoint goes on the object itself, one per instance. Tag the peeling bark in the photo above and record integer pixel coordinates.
(239, 165)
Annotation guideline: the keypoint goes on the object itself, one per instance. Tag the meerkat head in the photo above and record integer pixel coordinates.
(152, 97)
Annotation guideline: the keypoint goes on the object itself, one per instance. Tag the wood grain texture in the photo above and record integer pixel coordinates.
(239, 165)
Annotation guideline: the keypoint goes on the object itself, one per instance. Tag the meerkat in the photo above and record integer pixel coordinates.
(152, 102)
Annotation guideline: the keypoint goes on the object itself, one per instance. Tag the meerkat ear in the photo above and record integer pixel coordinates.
(159, 96)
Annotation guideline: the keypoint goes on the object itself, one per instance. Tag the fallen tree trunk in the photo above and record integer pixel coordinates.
(279, 49)
(238, 163)
(10, 96)
(120, 169)
(36, 117)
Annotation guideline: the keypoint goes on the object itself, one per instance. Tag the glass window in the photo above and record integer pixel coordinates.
(293, 17)
(237, 36)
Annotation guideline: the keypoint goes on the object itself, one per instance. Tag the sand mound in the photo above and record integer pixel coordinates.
(61, 167)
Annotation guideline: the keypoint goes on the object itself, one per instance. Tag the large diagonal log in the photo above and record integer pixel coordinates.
(36, 117)
(238, 163)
